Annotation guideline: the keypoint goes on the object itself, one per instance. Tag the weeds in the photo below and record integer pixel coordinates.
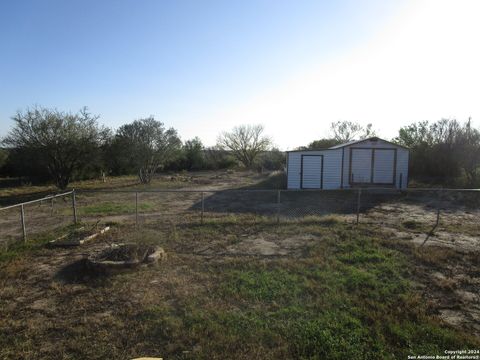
(38, 242)
(348, 296)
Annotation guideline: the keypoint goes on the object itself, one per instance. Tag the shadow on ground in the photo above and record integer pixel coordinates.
(77, 272)
(264, 199)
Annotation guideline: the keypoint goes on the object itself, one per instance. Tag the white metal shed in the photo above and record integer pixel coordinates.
(371, 162)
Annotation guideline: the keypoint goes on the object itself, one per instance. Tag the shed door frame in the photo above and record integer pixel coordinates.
(301, 171)
(372, 167)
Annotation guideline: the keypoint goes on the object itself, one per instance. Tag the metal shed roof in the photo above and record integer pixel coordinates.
(373, 138)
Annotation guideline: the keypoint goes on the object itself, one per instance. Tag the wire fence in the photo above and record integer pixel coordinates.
(391, 208)
(29, 218)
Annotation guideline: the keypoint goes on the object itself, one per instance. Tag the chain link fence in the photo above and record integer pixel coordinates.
(28, 219)
(413, 209)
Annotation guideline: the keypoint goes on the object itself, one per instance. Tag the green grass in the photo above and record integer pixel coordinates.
(262, 285)
(350, 299)
(18, 248)
(35, 243)
(347, 296)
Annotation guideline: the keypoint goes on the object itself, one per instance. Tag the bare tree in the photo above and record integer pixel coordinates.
(64, 143)
(147, 146)
(245, 142)
(344, 131)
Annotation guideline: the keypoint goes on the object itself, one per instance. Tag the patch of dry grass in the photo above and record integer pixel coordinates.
(435, 255)
(345, 295)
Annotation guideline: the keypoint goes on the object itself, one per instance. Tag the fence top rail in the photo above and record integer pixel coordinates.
(213, 190)
(37, 200)
(366, 189)
(178, 190)
(442, 189)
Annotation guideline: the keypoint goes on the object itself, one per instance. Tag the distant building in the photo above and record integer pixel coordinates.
(371, 162)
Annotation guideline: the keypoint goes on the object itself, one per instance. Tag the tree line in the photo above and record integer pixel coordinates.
(51, 145)
(48, 144)
(445, 152)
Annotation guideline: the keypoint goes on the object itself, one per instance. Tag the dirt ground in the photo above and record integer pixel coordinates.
(449, 275)
(446, 270)
(54, 304)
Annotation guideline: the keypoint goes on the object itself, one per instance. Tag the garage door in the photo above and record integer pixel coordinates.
(361, 166)
(312, 171)
(383, 166)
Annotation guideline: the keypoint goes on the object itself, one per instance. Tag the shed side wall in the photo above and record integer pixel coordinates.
(332, 160)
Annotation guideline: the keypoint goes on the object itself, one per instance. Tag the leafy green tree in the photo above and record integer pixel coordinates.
(273, 159)
(66, 144)
(245, 142)
(442, 150)
(118, 158)
(468, 153)
(146, 146)
(322, 144)
(218, 158)
(194, 154)
(432, 149)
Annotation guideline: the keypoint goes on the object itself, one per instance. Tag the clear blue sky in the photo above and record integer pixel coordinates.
(195, 65)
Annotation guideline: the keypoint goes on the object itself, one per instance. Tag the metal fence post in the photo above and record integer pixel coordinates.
(440, 199)
(22, 217)
(278, 206)
(74, 206)
(203, 206)
(136, 209)
(358, 204)
(432, 232)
